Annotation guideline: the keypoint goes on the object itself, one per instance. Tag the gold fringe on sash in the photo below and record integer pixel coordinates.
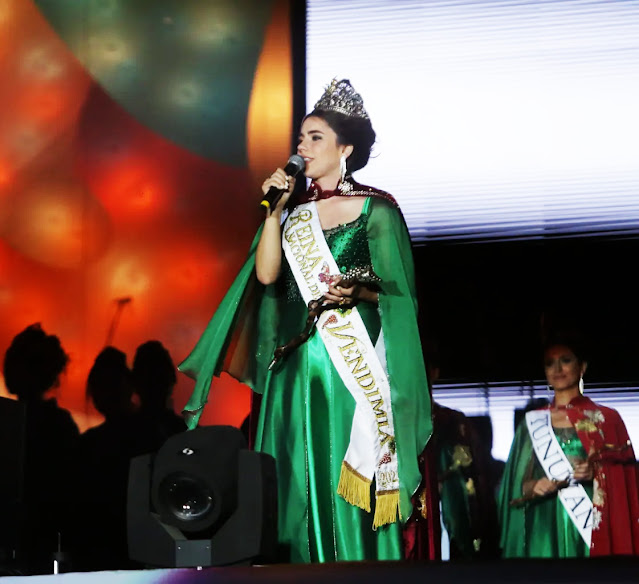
(354, 487)
(386, 507)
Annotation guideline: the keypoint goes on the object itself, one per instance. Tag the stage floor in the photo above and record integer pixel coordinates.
(595, 570)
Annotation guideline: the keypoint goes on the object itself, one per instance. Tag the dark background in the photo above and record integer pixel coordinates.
(487, 304)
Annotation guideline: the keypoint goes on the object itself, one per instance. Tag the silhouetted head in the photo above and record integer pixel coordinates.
(154, 374)
(432, 358)
(33, 363)
(483, 426)
(109, 383)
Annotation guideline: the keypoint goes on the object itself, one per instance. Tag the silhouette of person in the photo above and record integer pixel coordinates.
(494, 469)
(456, 510)
(104, 456)
(32, 367)
(154, 378)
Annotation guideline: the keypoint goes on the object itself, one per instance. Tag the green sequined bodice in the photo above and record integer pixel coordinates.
(348, 244)
(570, 444)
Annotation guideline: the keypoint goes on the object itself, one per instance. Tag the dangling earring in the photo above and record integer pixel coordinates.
(342, 169)
(581, 385)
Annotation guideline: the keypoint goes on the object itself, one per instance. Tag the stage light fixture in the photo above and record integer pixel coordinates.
(202, 500)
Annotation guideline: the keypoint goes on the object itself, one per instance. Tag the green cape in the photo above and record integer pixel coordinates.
(240, 339)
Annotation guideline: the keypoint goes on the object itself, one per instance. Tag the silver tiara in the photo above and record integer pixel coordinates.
(340, 97)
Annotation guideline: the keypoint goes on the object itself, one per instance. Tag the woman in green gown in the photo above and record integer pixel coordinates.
(345, 442)
(569, 487)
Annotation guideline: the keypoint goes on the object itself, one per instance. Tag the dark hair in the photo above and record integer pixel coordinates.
(33, 363)
(430, 349)
(357, 132)
(153, 373)
(571, 339)
(109, 382)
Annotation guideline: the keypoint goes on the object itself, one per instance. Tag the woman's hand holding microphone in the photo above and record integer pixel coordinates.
(282, 182)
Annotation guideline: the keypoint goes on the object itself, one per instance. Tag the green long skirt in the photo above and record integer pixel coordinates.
(305, 423)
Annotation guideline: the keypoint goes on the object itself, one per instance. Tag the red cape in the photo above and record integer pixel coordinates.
(616, 493)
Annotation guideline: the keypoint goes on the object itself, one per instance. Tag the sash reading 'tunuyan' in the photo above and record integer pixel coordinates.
(556, 465)
(371, 450)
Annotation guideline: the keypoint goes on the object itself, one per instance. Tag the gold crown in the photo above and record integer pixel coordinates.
(340, 97)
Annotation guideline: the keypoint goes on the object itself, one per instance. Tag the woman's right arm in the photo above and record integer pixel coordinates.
(532, 487)
(268, 258)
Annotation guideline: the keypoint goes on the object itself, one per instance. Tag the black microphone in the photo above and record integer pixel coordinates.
(293, 167)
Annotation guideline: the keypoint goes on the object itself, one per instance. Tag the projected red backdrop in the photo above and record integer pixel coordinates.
(133, 139)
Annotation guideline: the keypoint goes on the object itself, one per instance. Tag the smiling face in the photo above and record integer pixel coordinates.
(563, 368)
(318, 145)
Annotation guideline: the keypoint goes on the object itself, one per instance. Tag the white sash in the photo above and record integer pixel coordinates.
(371, 451)
(556, 465)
